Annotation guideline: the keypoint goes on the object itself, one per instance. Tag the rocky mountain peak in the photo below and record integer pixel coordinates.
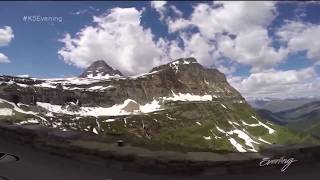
(99, 70)
(177, 64)
(188, 69)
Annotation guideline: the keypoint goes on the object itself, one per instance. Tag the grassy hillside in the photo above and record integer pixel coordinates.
(181, 126)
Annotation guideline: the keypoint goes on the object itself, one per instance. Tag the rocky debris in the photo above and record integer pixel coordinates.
(100, 69)
(131, 107)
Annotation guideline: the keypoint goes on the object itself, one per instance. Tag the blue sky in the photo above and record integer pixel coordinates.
(262, 47)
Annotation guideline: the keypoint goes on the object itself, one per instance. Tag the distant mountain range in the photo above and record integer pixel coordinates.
(180, 105)
(278, 105)
(304, 116)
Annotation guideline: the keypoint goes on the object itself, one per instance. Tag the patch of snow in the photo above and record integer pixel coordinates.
(206, 82)
(114, 110)
(143, 75)
(271, 131)
(236, 145)
(262, 140)
(95, 131)
(22, 85)
(251, 125)
(16, 108)
(95, 87)
(223, 106)
(207, 137)
(221, 130)
(101, 76)
(188, 97)
(215, 136)
(24, 76)
(150, 107)
(109, 120)
(199, 123)
(174, 66)
(248, 141)
(6, 112)
(98, 124)
(215, 96)
(236, 123)
(45, 85)
(170, 118)
(232, 122)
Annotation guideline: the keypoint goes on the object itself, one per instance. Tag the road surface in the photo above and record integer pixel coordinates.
(35, 164)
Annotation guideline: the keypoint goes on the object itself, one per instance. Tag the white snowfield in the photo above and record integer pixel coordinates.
(187, 97)
(150, 107)
(115, 110)
(66, 83)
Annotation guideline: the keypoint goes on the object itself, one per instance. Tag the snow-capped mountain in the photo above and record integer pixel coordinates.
(100, 70)
(179, 104)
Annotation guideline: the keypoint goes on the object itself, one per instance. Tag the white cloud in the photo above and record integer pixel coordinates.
(6, 35)
(278, 84)
(159, 6)
(177, 24)
(4, 58)
(89, 10)
(176, 11)
(116, 37)
(198, 46)
(194, 45)
(300, 36)
(252, 48)
(233, 17)
(236, 33)
(246, 22)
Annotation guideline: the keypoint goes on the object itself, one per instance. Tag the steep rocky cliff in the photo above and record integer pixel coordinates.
(180, 76)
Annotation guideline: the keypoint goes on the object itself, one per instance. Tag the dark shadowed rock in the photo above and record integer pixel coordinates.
(100, 69)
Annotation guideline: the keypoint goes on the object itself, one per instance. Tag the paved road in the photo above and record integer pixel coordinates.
(39, 165)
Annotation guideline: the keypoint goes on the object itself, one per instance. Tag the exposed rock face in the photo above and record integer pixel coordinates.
(180, 76)
(100, 69)
(131, 107)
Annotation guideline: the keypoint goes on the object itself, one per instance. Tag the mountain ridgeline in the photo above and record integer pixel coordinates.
(181, 76)
(180, 105)
(305, 118)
